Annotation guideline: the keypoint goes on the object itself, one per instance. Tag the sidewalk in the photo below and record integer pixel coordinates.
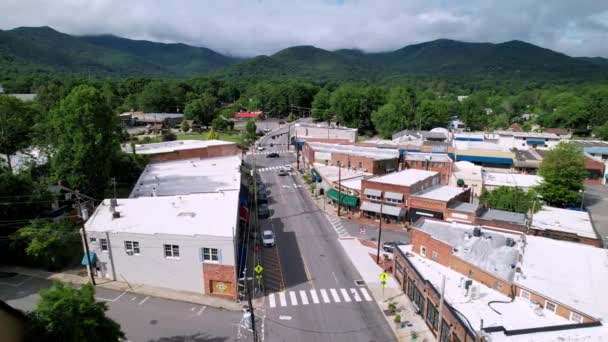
(411, 323)
(72, 277)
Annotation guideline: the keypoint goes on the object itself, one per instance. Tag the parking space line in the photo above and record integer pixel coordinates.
(315, 298)
(144, 300)
(303, 297)
(325, 296)
(334, 294)
(345, 295)
(355, 294)
(16, 284)
(282, 299)
(271, 300)
(365, 294)
(201, 311)
(294, 299)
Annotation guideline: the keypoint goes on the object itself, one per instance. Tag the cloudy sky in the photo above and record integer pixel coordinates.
(246, 28)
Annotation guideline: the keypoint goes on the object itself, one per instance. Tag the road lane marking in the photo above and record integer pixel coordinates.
(315, 298)
(271, 300)
(336, 278)
(201, 311)
(133, 298)
(193, 308)
(282, 299)
(355, 294)
(325, 296)
(345, 295)
(334, 294)
(285, 318)
(365, 294)
(294, 299)
(144, 300)
(303, 297)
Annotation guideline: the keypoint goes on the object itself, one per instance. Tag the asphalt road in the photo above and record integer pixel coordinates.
(311, 261)
(142, 318)
(596, 202)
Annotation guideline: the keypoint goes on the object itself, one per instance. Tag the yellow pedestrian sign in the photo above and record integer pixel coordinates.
(383, 276)
(258, 269)
(383, 283)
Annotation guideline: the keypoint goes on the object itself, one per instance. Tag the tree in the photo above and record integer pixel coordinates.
(221, 124)
(83, 133)
(161, 96)
(320, 106)
(212, 135)
(185, 126)
(354, 105)
(169, 136)
(601, 131)
(397, 114)
(202, 109)
(51, 243)
(387, 120)
(249, 135)
(510, 199)
(65, 313)
(563, 171)
(433, 113)
(16, 121)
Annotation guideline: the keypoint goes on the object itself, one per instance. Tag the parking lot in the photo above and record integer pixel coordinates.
(142, 318)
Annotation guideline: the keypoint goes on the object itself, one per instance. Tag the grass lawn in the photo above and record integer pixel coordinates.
(226, 136)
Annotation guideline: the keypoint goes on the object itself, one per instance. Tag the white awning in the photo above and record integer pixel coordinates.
(385, 209)
(392, 211)
(369, 206)
(372, 192)
(393, 195)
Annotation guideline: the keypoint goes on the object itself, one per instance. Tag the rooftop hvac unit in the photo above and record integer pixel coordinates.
(510, 242)
(477, 232)
(474, 292)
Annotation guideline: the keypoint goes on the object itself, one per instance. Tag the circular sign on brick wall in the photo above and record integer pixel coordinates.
(221, 286)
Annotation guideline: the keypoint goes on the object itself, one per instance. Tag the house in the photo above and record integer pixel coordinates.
(471, 284)
(248, 115)
(366, 159)
(184, 149)
(438, 162)
(387, 196)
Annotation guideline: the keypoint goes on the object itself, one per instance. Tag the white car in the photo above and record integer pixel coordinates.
(261, 148)
(288, 168)
(268, 238)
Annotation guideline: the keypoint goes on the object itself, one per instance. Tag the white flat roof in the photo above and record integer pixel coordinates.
(324, 126)
(172, 146)
(478, 145)
(431, 157)
(330, 173)
(440, 193)
(527, 134)
(511, 179)
(570, 273)
(406, 177)
(564, 220)
(189, 176)
(354, 184)
(362, 151)
(213, 214)
(513, 315)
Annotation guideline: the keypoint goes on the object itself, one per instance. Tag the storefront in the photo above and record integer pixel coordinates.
(347, 201)
(389, 213)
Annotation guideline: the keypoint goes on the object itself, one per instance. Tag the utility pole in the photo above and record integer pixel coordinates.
(380, 237)
(251, 311)
(79, 201)
(339, 187)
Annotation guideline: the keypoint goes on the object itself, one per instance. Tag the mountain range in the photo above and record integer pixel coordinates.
(43, 50)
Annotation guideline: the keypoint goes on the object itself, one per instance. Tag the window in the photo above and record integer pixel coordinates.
(93, 240)
(104, 244)
(576, 317)
(171, 251)
(415, 295)
(550, 306)
(524, 294)
(210, 254)
(132, 247)
(445, 332)
(423, 251)
(431, 315)
(434, 255)
(471, 273)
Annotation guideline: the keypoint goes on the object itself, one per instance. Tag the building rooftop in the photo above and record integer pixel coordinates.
(353, 183)
(479, 145)
(353, 150)
(324, 125)
(189, 176)
(490, 252)
(564, 220)
(172, 146)
(528, 134)
(515, 180)
(503, 215)
(567, 272)
(158, 115)
(213, 214)
(512, 315)
(431, 157)
(406, 177)
(464, 207)
(330, 173)
(440, 193)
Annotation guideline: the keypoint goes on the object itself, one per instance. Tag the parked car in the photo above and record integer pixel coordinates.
(261, 148)
(262, 197)
(282, 172)
(288, 168)
(272, 155)
(263, 211)
(389, 246)
(268, 238)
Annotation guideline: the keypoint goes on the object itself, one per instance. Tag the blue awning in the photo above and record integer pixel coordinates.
(484, 159)
(85, 260)
(535, 142)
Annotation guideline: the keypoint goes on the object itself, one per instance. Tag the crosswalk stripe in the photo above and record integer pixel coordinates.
(345, 295)
(294, 299)
(355, 294)
(365, 294)
(303, 297)
(315, 298)
(325, 296)
(283, 299)
(271, 301)
(334, 294)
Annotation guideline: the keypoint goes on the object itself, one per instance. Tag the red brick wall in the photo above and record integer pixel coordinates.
(385, 187)
(433, 205)
(222, 273)
(443, 168)
(591, 164)
(561, 310)
(500, 224)
(470, 217)
(203, 152)
(566, 236)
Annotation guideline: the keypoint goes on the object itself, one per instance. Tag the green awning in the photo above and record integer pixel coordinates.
(85, 260)
(346, 200)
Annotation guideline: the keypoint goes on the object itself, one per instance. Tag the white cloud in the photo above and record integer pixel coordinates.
(263, 27)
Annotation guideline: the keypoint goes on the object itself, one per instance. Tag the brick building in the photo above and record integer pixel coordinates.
(374, 160)
(438, 162)
(434, 202)
(389, 194)
(497, 286)
(564, 224)
(185, 149)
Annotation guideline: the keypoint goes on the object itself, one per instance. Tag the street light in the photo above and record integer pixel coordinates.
(582, 191)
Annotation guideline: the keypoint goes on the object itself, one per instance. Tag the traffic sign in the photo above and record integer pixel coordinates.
(361, 231)
(258, 269)
(383, 276)
(383, 283)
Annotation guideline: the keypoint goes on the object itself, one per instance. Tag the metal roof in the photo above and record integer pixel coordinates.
(503, 215)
